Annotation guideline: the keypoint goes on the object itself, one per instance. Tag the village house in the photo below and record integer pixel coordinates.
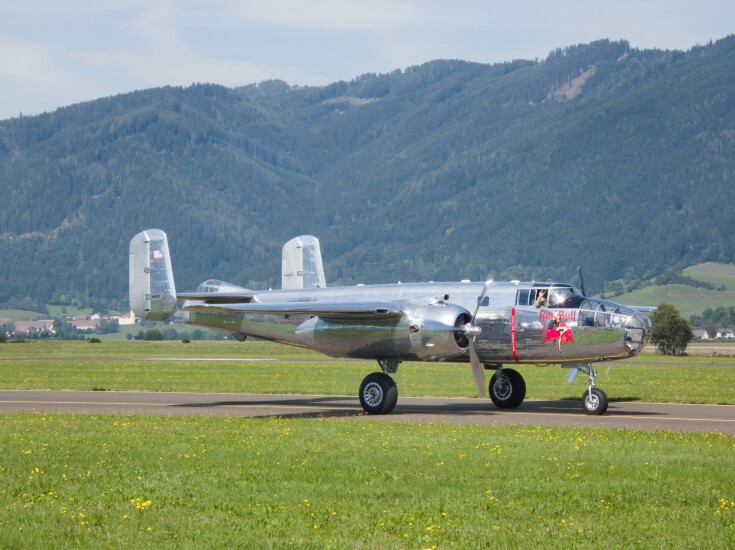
(27, 327)
(126, 319)
(725, 333)
(85, 324)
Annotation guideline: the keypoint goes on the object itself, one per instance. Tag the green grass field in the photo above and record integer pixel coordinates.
(94, 481)
(105, 481)
(132, 366)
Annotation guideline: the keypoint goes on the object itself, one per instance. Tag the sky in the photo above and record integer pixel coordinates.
(56, 53)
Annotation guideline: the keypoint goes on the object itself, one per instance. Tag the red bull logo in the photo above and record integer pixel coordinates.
(564, 316)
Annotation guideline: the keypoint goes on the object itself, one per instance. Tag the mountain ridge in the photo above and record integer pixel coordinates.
(445, 170)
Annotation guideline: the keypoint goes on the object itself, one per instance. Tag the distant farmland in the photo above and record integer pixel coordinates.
(689, 300)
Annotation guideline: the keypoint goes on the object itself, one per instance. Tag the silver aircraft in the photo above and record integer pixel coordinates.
(488, 325)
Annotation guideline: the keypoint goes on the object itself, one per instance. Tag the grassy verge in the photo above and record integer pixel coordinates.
(138, 366)
(99, 481)
(171, 348)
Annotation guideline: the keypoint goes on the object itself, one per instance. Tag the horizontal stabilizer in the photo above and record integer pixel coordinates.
(217, 297)
(644, 309)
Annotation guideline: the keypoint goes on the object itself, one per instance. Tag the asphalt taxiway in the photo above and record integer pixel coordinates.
(621, 414)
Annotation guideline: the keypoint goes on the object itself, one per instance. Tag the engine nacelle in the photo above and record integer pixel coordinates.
(432, 337)
(431, 332)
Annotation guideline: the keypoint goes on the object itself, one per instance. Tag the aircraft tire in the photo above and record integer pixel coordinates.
(507, 389)
(378, 393)
(596, 402)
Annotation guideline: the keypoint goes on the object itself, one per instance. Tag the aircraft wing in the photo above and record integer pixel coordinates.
(217, 297)
(331, 310)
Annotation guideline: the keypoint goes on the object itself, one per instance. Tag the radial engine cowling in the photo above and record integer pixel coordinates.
(438, 331)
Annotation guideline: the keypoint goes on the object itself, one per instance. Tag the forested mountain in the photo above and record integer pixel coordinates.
(618, 159)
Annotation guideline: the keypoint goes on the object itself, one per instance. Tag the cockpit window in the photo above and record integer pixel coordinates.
(210, 285)
(564, 296)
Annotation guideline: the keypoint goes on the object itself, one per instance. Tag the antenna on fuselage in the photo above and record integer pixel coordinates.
(581, 280)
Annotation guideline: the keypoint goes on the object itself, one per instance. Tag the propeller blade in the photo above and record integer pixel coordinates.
(477, 370)
(572, 375)
(488, 284)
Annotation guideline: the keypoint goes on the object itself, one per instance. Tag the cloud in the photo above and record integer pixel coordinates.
(184, 68)
(339, 15)
(30, 71)
(53, 53)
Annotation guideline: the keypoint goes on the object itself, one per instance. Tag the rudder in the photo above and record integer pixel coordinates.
(301, 264)
(152, 290)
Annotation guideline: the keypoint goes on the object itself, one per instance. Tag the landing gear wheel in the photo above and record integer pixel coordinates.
(594, 401)
(378, 393)
(507, 389)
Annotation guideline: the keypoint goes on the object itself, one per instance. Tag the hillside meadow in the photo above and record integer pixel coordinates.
(714, 273)
(689, 300)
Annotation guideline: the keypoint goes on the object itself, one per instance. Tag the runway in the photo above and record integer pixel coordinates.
(628, 415)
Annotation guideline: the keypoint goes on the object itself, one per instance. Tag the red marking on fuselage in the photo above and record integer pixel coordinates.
(513, 334)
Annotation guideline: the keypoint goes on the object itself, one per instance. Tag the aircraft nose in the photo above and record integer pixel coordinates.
(637, 331)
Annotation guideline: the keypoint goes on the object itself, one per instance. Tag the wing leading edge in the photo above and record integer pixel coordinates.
(333, 310)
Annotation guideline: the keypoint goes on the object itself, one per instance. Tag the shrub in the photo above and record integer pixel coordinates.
(670, 332)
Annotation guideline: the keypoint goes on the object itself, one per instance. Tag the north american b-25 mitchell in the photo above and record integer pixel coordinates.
(488, 324)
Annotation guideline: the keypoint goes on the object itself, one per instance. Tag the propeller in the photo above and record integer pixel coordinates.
(473, 331)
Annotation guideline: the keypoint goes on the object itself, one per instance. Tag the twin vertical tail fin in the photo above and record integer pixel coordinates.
(301, 264)
(152, 290)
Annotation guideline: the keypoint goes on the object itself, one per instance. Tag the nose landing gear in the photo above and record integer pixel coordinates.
(594, 400)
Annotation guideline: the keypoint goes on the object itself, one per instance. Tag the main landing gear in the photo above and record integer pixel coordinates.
(507, 388)
(378, 391)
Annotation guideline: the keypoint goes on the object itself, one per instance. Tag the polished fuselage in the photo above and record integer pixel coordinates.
(513, 330)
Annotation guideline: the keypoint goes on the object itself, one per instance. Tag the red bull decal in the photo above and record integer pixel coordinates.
(564, 316)
(558, 330)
